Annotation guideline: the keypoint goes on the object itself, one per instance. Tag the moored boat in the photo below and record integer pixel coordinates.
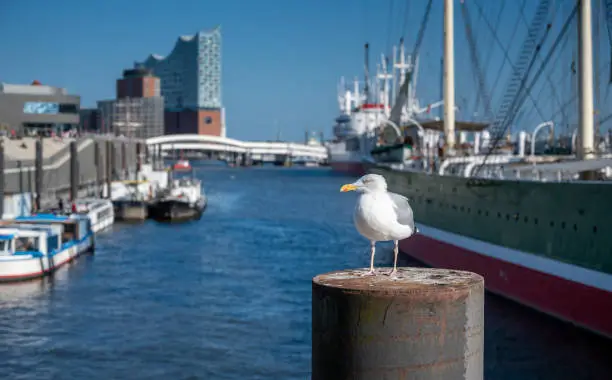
(182, 165)
(76, 229)
(537, 228)
(131, 199)
(32, 247)
(100, 212)
(184, 202)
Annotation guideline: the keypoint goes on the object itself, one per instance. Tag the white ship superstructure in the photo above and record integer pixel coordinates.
(366, 108)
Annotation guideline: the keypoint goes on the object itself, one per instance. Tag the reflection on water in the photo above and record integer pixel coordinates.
(228, 297)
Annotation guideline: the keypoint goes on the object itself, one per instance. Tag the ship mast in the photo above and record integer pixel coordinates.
(366, 88)
(585, 81)
(393, 77)
(449, 76)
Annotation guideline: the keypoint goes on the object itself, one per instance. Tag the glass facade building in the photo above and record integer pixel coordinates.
(191, 74)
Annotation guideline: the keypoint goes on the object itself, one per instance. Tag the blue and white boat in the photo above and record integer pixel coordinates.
(36, 245)
(100, 212)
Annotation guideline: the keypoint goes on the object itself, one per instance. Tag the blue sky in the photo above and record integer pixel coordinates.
(281, 59)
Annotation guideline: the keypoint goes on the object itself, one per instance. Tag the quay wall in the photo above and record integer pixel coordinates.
(19, 166)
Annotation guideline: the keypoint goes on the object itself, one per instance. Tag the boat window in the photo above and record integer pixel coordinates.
(352, 144)
(4, 247)
(104, 213)
(53, 243)
(23, 244)
(83, 228)
(69, 232)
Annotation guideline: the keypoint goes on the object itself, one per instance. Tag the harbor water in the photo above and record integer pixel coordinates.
(228, 296)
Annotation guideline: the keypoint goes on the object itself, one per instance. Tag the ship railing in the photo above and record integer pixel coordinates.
(471, 161)
(560, 171)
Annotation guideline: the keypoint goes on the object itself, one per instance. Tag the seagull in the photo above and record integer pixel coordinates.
(381, 215)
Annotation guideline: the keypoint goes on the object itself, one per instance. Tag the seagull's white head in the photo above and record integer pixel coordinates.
(369, 183)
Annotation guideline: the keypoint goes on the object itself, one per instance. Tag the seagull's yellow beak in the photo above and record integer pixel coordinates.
(348, 187)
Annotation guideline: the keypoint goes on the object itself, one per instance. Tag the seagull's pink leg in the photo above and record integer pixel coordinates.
(372, 251)
(395, 253)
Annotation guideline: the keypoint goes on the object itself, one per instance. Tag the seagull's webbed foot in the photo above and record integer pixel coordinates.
(370, 273)
(392, 273)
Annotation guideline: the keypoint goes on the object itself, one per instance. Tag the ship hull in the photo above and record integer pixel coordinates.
(177, 211)
(545, 245)
(346, 162)
(347, 167)
(564, 298)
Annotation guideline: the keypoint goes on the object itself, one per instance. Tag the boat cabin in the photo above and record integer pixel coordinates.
(32, 242)
(99, 211)
(74, 227)
(131, 190)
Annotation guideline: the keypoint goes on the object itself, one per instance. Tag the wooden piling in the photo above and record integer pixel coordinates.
(21, 185)
(114, 172)
(153, 156)
(422, 324)
(38, 173)
(1, 178)
(138, 159)
(108, 167)
(124, 169)
(146, 152)
(74, 171)
(99, 167)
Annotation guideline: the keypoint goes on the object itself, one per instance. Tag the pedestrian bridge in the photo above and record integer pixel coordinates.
(218, 144)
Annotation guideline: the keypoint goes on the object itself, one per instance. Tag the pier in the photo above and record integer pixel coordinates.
(38, 171)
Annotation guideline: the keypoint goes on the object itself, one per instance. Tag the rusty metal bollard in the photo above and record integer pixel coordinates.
(421, 324)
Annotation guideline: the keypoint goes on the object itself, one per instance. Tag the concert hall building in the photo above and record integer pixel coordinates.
(190, 79)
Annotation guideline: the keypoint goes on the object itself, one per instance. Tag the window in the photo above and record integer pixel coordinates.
(41, 108)
(4, 247)
(68, 108)
(53, 243)
(24, 244)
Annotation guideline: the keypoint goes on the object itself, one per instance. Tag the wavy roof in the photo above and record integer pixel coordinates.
(183, 40)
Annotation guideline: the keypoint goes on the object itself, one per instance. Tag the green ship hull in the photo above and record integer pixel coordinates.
(545, 244)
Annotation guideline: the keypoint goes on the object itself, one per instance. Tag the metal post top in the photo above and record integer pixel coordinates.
(405, 281)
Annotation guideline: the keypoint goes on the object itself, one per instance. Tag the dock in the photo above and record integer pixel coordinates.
(45, 169)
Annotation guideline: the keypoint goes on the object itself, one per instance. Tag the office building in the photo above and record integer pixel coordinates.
(138, 110)
(89, 120)
(37, 108)
(138, 83)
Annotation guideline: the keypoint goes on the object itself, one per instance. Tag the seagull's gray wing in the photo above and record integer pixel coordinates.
(404, 212)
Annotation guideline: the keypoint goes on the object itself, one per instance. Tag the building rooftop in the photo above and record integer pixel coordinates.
(31, 89)
(182, 39)
(137, 72)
